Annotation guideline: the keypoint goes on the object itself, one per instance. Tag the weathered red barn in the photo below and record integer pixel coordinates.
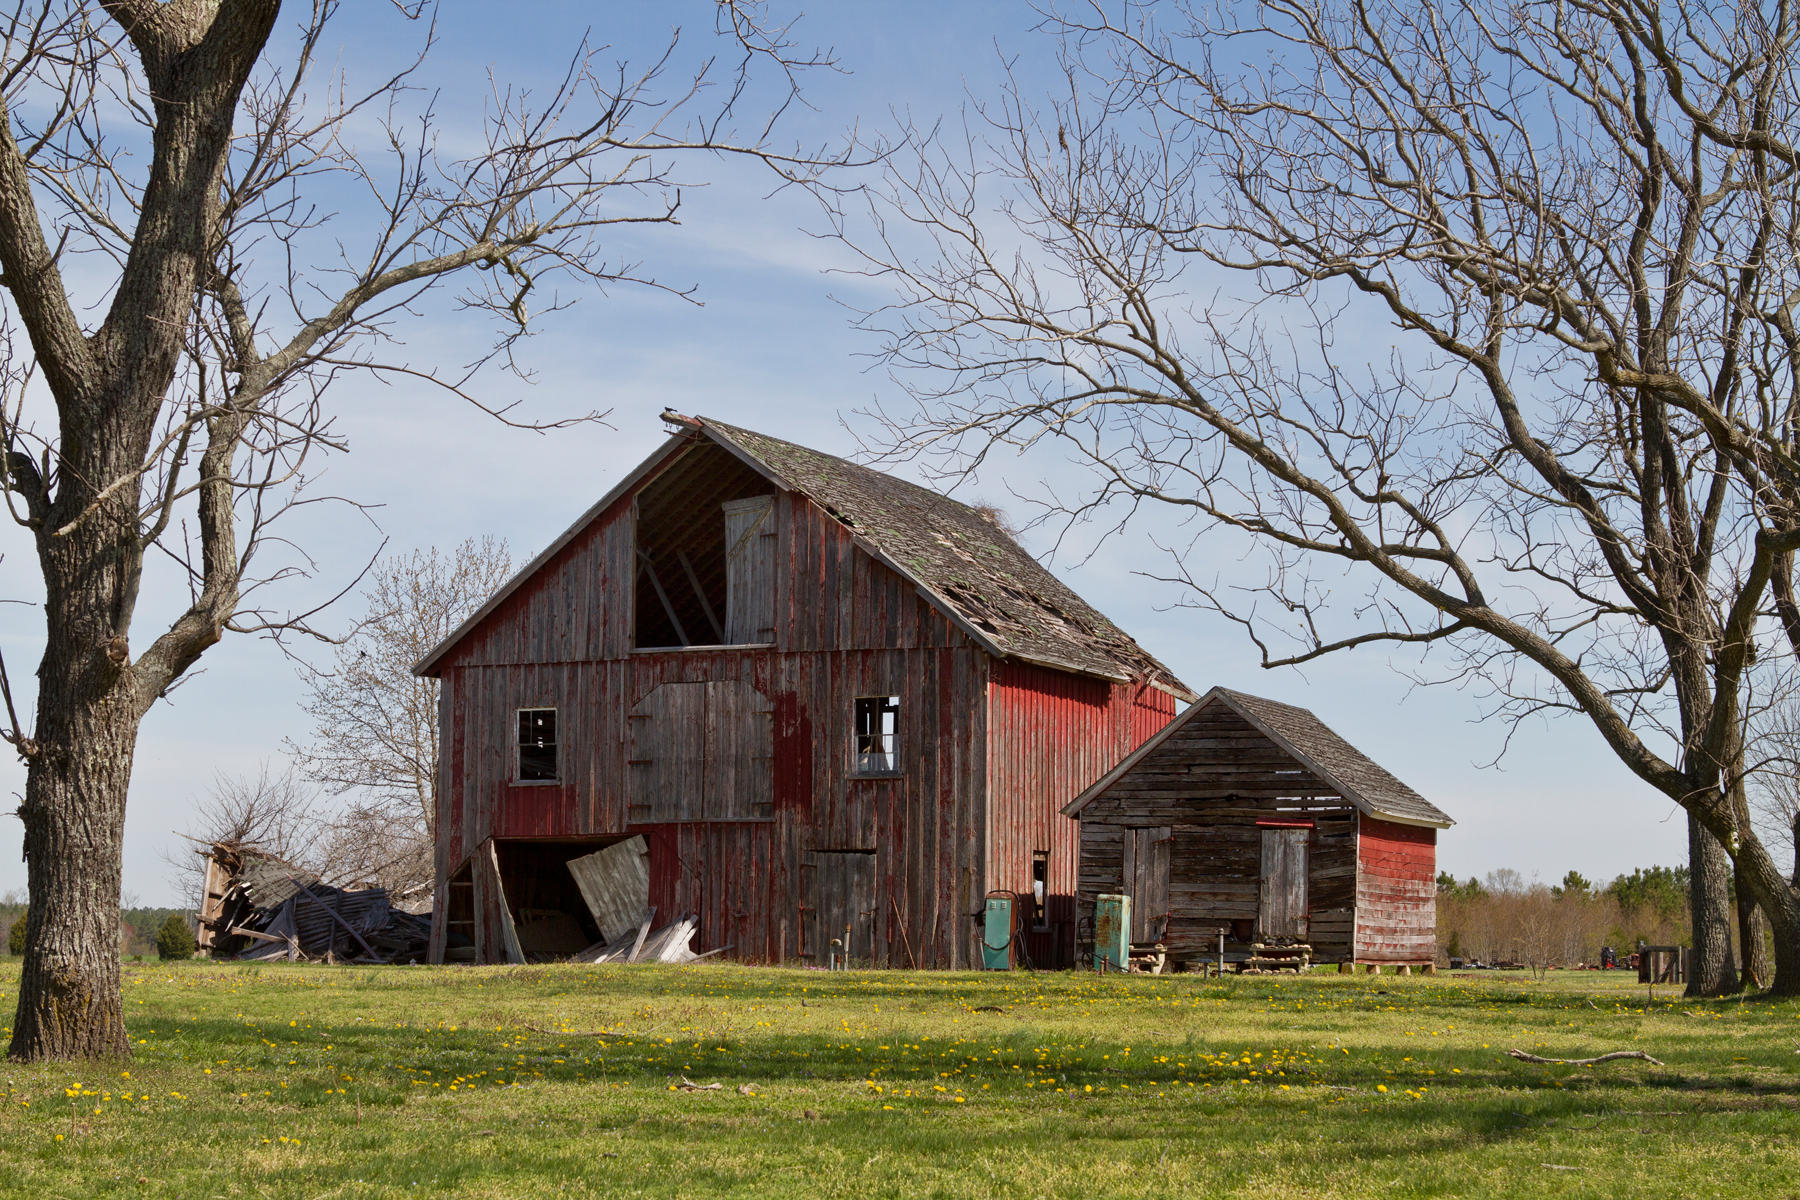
(828, 700)
(1250, 817)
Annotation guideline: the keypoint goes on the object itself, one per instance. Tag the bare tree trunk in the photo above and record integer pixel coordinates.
(69, 1003)
(1713, 973)
(1757, 969)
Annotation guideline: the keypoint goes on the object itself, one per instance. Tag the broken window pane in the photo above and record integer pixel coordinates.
(876, 747)
(537, 744)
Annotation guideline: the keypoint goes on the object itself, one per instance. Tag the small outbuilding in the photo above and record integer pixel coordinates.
(1250, 818)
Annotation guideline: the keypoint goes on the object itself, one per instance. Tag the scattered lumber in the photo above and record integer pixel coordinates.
(1522, 1056)
(668, 944)
(615, 886)
(259, 907)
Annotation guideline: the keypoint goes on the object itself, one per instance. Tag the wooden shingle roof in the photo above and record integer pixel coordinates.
(965, 563)
(1358, 778)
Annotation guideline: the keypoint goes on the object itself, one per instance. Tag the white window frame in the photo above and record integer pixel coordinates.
(858, 756)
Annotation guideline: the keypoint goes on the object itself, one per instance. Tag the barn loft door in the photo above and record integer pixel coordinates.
(843, 898)
(749, 571)
(701, 752)
(1147, 882)
(1281, 911)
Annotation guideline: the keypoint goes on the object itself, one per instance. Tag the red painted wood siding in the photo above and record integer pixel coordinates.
(1396, 892)
(1050, 735)
(846, 627)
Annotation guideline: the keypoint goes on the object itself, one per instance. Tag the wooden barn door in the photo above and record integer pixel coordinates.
(749, 571)
(1147, 882)
(1281, 907)
(843, 898)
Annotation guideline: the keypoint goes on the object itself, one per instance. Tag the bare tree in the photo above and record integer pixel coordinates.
(278, 813)
(375, 723)
(1573, 478)
(249, 228)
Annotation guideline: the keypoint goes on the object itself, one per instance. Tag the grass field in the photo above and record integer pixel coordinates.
(531, 1081)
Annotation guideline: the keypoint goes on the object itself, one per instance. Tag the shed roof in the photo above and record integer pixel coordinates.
(960, 560)
(1358, 778)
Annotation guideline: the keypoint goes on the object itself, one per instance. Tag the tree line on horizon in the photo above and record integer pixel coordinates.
(1505, 918)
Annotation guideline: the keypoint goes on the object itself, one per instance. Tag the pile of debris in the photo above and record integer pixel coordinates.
(615, 884)
(256, 906)
(667, 945)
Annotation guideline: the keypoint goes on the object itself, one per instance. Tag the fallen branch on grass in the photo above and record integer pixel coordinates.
(575, 1032)
(1585, 1062)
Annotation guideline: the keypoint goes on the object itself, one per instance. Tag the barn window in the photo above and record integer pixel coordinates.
(537, 744)
(876, 745)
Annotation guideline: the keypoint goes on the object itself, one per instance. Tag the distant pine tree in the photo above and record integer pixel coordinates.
(175, 940)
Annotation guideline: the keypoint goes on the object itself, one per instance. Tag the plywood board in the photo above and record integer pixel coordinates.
(615, 883)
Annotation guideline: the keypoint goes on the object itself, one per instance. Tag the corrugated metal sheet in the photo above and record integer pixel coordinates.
(1051, 735)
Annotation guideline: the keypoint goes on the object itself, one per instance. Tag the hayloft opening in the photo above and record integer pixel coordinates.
(705, 554)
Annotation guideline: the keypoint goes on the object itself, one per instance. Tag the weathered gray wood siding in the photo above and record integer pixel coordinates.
(1210, 782)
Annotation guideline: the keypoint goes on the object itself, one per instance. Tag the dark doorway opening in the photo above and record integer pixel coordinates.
(684, 565)
(551, 918)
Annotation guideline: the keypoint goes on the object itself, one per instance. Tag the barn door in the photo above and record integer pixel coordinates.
(749, 571)
(1281, 908)
(1147, 882)
(843, 899)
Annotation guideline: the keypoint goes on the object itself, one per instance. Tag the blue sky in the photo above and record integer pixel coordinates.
(772, 347)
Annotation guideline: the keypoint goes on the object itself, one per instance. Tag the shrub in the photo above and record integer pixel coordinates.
(175, 939)
(15, 938)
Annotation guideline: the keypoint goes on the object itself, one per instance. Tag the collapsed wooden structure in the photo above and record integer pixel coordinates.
(257, 906)
(1247, 825)
(839, 710)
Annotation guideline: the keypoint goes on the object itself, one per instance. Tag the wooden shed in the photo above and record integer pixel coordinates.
(1250, 817)
(833, 704)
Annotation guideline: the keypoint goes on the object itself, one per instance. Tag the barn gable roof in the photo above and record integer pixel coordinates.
(960, 561)
(1356, 777)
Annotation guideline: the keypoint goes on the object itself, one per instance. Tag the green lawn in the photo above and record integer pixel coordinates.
(530, 1081)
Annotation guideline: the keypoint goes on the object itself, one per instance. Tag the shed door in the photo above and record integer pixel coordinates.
(1147, 882)
(843, 905)
(1281, 911)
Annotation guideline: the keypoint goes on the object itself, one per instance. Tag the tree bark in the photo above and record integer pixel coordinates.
(1712, 972)
(1794, 826)
(1757, 968)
